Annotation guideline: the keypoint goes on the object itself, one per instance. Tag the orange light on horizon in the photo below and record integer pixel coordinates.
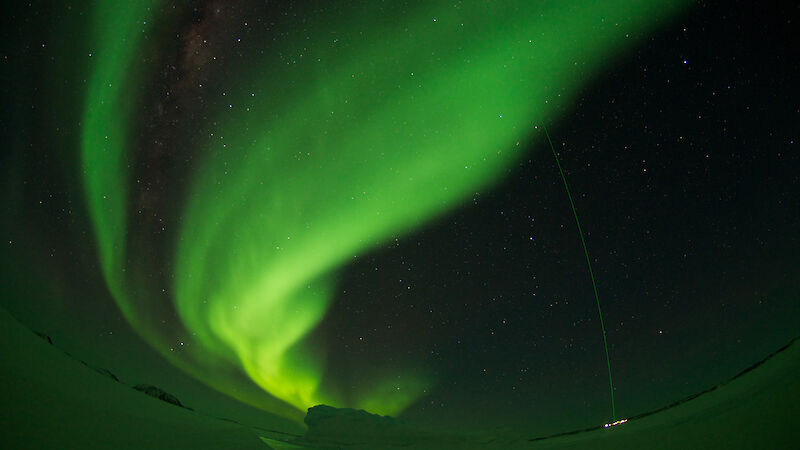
(618, 422)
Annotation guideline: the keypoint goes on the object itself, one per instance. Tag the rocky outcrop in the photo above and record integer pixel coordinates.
(159, 393)
(44, 336)
(324, 416)
(106, 372)
(329, 426)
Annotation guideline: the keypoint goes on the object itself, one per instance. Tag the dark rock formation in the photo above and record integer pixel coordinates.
(107, 373)
(333, 426)
(322, 416)
(159, 394)
(44, 336)
(330, 427)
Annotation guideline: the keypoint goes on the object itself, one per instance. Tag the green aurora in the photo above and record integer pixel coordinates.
(384, 120)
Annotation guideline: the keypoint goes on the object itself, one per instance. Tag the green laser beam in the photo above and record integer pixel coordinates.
(591, 273)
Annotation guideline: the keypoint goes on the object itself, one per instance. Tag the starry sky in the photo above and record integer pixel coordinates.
(680, 153)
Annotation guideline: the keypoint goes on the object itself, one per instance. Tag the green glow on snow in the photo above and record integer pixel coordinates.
(388, 119)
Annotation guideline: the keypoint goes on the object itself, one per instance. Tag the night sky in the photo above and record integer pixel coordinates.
(680, 151)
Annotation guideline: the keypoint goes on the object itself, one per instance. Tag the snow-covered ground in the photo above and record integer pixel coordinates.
(50, 400)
